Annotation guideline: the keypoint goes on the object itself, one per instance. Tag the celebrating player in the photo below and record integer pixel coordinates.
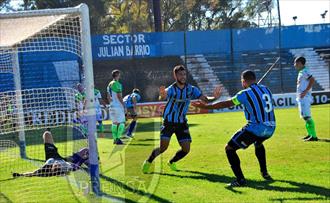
(259, 113)
(117, 107)
(55, 164)
(130, 102)
(178, 96)
(304, 98)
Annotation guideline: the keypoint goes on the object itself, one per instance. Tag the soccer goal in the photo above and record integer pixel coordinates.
(43, 55)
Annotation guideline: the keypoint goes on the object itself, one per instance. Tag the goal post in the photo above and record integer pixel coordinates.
(20, 113)
(31, 88)
(89, 85)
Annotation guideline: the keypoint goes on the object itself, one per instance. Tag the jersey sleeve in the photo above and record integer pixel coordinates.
(239, 98)
(196, 93)
(116, 87)
(307, 74)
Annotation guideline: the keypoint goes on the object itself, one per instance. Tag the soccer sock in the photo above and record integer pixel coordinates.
(310, 126)
(121, 129)
(114, 129)
(235, 163)
(154, 154)
(100, 126)
(179, 155)
(131, 127)
(261, 155)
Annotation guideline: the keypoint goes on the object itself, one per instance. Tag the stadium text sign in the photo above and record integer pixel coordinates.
(121, 45)
(155, 109)
(288, 100)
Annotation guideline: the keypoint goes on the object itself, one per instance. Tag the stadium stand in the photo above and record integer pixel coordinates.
(228, 68)
(324, 53)
(319, 67)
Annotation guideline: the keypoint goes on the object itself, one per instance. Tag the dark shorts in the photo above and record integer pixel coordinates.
(131, 113)
(242, 139)
(181, 131)
(51, 152)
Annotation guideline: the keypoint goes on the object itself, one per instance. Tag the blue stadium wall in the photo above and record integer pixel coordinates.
(117, 46)
(157, 53)
(149, 64)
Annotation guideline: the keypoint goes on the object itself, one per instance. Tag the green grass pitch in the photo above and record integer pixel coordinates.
(301, 170)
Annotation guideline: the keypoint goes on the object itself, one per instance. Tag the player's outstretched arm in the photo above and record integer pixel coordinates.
(216, 95)
(162, 93)
(218, 105)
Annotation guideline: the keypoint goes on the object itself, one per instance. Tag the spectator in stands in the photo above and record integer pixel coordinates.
(304, 97)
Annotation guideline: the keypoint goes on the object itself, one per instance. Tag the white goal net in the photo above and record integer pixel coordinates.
(44, 54)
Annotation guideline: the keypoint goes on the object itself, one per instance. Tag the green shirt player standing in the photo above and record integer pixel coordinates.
(117, 107)
(304, 97)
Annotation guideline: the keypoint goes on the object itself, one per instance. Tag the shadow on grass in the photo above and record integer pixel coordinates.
(324, 140)
(303, 188)
(5, 198)
(34, 159)
(148, 139)
(140, 144)
(300, 199)
(7, 179)
(131, 189)
(116, 199)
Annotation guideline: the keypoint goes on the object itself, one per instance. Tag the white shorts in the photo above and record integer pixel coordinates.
(304, 106)
(117, 115)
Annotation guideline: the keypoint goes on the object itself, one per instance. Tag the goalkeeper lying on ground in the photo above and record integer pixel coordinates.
(55, 164)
